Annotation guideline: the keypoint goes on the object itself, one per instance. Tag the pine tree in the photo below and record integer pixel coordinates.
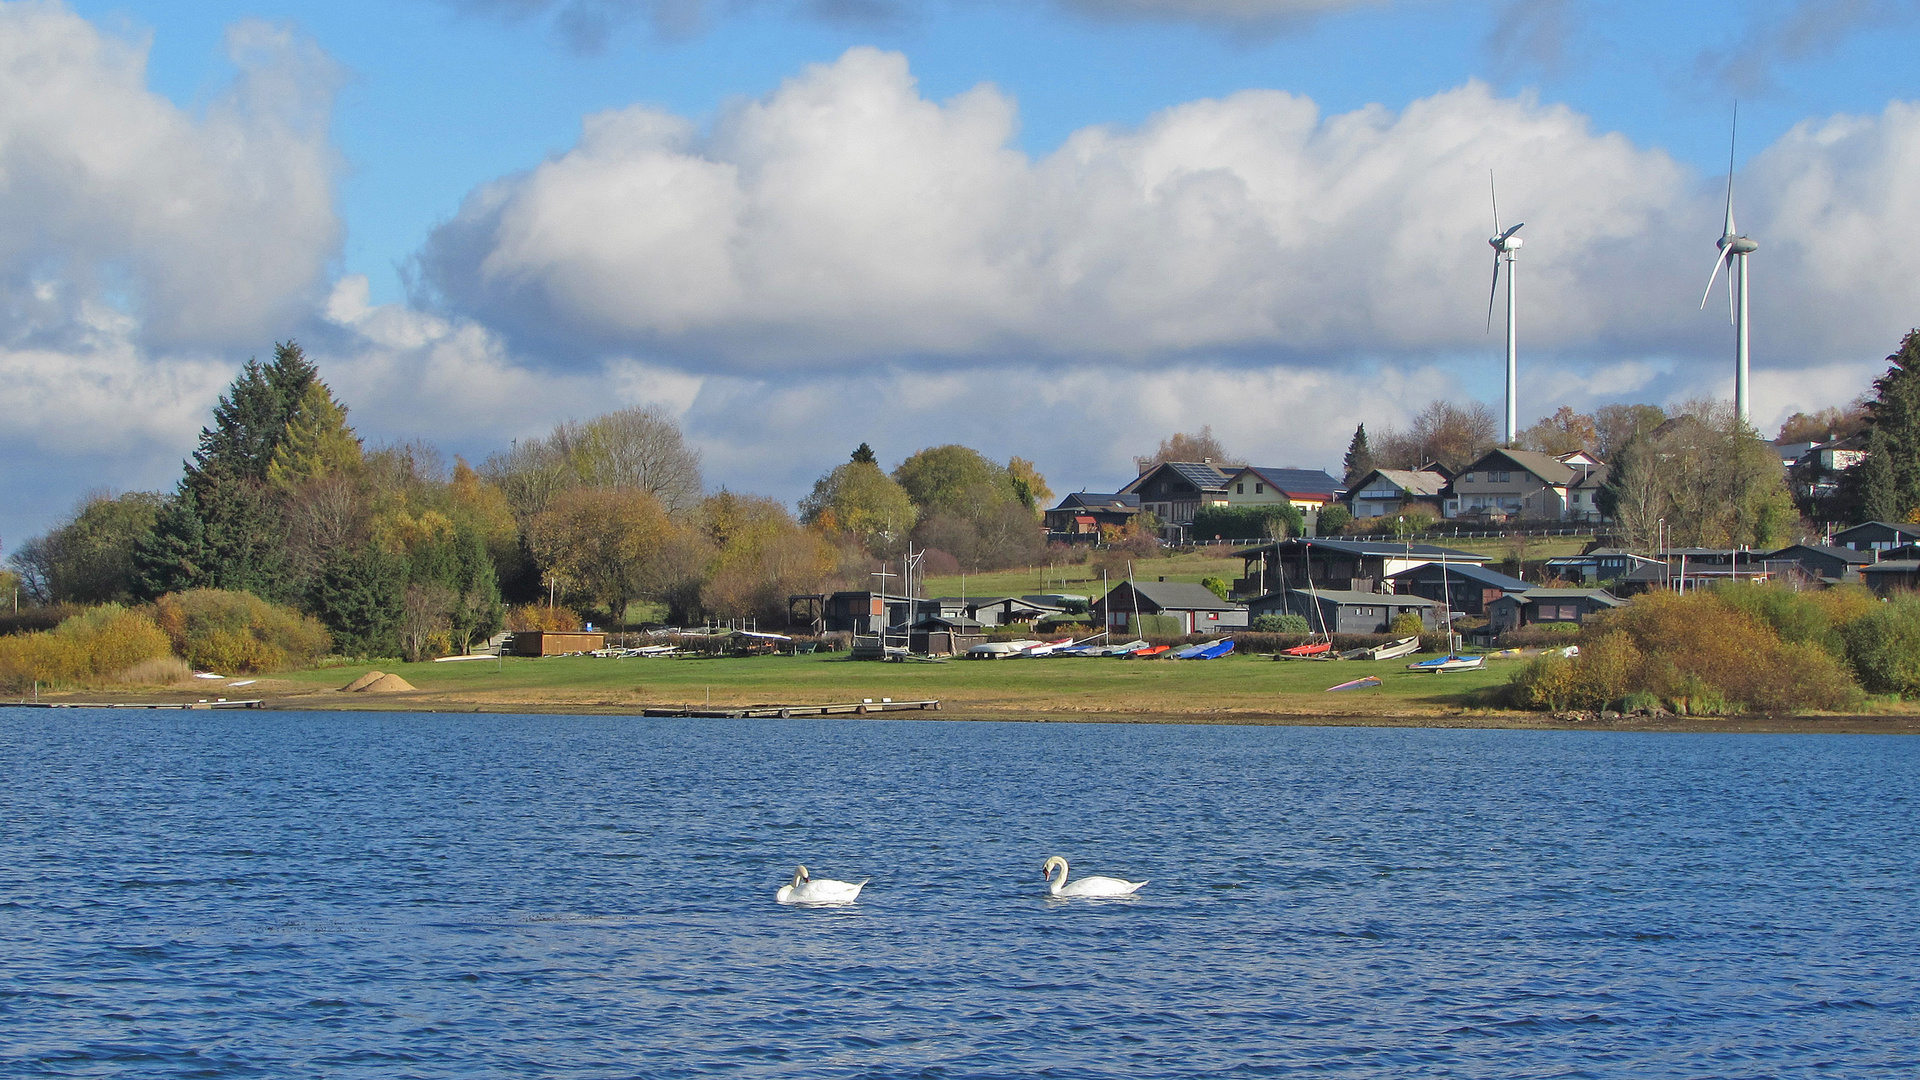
(863, 453)
(1886, 486)
(1359, 460)
(317, 441)
(358, 596)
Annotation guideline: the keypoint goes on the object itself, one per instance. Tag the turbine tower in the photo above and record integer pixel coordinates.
(1504, 245)
(1734, 249)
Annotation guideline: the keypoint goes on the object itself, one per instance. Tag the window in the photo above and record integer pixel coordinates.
(1570, 612)
(1239, 489)
(1499, 477)
(1259, 489)
(1466, 478)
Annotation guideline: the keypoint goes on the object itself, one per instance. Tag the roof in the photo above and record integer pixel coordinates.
(1844, 554)
(1893, 566)
(1297, 481)
(1387, 549)
(1597, 595)
(1412, 481)
(958, 622)
(1344, 596)
(1200, 474)
(1595, 477)
(1117, 502)
(1545, 467)
(1898, 529)
(1492, 579)
(1178, 596)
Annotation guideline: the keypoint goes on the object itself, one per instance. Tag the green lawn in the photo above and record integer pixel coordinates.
(1239, 684)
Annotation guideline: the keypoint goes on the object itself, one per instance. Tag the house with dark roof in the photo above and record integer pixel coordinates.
(1358, 565)
(1561, 606)
(1877, 536)
(1464, 587)
(1007, 610)
(1385, 492)
(1336, 611)
(1083, 513)
(1599, 564)
(1306, 489)
(1513, 484)
(1823, 561)
(1892, 575)
(1174, 491)
(1197, 608)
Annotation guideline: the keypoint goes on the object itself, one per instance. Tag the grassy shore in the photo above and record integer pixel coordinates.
(1235, 690)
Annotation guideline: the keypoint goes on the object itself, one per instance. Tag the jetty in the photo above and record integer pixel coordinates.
(223, 703)
(786, 712)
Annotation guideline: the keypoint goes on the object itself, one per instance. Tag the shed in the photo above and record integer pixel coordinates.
(1195, 606)
(1823, 560)
(1340, 611)
(554, 642)
(1466, 588)
(945, 635)
(1894, 575)
(1574, 606)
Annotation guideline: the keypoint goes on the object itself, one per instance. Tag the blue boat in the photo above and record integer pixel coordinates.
(1213, 651)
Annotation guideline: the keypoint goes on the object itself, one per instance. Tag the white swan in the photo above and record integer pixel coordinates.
(806, 889)
(1086, 886)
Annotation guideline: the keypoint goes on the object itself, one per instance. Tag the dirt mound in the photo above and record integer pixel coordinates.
(386, 684)
(364, 681)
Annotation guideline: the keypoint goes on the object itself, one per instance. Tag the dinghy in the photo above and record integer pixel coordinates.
(1449, 663)
(1310, 649)
(1367, 683)
(995, 650)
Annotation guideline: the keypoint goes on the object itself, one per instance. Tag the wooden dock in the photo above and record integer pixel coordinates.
(249, 703)
(786, 712)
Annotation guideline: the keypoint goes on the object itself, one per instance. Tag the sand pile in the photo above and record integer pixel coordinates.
(364, 681)
(386, 684)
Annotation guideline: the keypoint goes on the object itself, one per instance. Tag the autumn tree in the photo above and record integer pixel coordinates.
(1704, 473)
(1029, 487)
(858, 501)
(1565, 432)
(1617, 425)
(760, 556)
(637, 448)
(316, 442)
(1443, 433)
(1181, 446)
(610, 545)
(1823, 425)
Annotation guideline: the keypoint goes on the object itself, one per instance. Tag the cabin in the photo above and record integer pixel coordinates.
(1599, 564)
(1007, 610)
(1195, 606)
(1823, 561)
(1508, 484)
(863, 611)
(1356, 565)
(1340, 611)
(1555, 606)
(1306, 489)
(1174, 491)
(1386, 492)
(945, 635)
(1892, 575)
(1464, 587)
(1876, 536)
(554, 642)
(1084, 513)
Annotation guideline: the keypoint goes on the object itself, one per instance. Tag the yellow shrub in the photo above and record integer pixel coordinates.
(90, 647)
(528, 617)
(236, 631)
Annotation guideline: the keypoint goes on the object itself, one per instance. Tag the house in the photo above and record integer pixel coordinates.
(1464, 587)
(1583, 497)
(1006, 610)
(1824, 561)
(1083, 513)
(1385, 492)
(1174, 491)
(1306, 489)
(1893, 575)
(1197, 608)
(863, 611)
(1359, 565)
(1562, 606)
(1340, 611)
(1876, 536)
(1599, 564)
(1503, 484)
(1697, 568)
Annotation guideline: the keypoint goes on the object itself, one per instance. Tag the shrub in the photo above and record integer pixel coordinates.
(529, 617)
(1883, 646)
(1281, 624)
(1218, 586)
(1406, 624)
(236, 631)
(1801, 616)
(95, 645)
(1333, 518)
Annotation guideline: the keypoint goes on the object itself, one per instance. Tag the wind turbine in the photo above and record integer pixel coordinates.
(1734, 249)
(1504, 245)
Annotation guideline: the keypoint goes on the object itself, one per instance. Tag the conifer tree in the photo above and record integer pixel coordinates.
(1886, 486)
(1359, 460)
(863, 453)
(317, 441)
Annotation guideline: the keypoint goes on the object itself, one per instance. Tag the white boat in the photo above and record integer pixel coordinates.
(1392, 650)
(996, 650)
(1045, 648)
(1449, 663)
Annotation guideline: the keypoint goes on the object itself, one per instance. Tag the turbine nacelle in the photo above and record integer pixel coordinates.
(1507, 242)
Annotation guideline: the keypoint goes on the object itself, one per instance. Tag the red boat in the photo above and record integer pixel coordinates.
(1155, 651)
(1314, 648)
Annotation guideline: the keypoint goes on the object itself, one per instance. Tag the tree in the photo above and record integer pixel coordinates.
(359, 596)
(1444, 433)
(1202, 447)
(860, 501)
(637, 448)
(611, 545)
(1886, 484)
(1617, 425)
(1359, 459)
(316, 442)
(1564, 432)
(954, 478)
(1029, 487)
(761, 556)
(89, 559)
(1256, 522)
(1823, 425)
(1704, 473)
(864, 454)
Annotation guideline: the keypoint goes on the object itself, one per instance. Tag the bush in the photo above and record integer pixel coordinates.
(1407, 624)
(1815, 617)
(1218, 586)
(1883, 646)
(1333, 518)
(1246, 522)
(98, 644)
(1281, 624)
(214, 629)
(529, 617)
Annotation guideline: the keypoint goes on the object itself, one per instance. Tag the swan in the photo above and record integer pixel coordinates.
(1086, 886)
(806, 889)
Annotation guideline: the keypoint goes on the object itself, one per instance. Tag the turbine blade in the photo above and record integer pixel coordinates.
(1732, 144)
(1495, 192)
(1711, 278)
(1493, 291)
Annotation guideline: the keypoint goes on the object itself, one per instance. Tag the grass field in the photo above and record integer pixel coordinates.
(1240, 686)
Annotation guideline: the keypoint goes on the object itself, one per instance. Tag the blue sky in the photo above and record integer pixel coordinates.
(1058, 228)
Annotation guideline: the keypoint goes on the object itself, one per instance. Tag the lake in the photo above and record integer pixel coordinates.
(380, 895)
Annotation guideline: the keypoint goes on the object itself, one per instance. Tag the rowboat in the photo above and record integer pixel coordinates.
(1449, 663)
(1367, 683)
(1392, 650)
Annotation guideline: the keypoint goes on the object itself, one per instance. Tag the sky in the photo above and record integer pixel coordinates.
(1056, 229)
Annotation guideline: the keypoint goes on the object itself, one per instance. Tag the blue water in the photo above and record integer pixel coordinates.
(338, 895)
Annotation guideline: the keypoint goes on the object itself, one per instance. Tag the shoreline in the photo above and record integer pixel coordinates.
(305, 699)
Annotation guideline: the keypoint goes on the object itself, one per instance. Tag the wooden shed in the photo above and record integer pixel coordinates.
(555, 642)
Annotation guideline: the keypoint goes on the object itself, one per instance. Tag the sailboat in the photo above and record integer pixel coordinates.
(1453, 661)
(1323, 647)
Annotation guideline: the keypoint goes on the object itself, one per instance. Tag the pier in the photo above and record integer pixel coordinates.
(785, 712)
